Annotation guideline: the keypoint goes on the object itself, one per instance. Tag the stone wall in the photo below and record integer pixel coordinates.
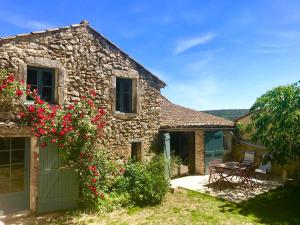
(199, 152)
(85, 60)
(239, 147)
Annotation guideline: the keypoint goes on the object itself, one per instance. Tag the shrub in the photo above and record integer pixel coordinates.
(145, 184)
(97, 174)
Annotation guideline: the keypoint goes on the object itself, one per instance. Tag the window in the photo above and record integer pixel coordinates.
(136, 148)
(12, 158)
(42, 79)
(124, 95)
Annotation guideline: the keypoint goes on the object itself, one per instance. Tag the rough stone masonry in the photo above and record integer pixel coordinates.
(84, 60)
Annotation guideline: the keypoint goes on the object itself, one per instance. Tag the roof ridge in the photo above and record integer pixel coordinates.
(48, 30)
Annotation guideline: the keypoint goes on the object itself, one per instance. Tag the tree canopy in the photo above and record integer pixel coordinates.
(275, 122)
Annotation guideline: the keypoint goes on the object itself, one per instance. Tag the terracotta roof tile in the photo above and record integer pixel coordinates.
(175, 116)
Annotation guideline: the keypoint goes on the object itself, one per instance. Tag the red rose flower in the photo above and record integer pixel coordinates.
(10, 78)
(44, 144)
(53, 130)
(94, 180)
(31, 108)
(70, 107)
(19, 93)
(22, 114)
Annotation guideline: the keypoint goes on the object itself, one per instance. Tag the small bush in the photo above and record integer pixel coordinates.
(145, 184)
(97, 174)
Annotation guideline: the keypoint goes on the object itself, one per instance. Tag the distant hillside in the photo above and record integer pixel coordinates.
(230, 114)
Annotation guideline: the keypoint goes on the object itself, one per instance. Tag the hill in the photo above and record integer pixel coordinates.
(230, 114)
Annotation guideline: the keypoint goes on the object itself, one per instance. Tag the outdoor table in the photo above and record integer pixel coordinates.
(226, 172)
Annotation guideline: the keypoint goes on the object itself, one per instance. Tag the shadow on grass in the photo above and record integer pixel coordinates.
(279, 206)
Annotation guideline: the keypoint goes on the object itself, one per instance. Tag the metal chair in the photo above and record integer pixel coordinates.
(248, 159)
(213, 176)
(264, 167)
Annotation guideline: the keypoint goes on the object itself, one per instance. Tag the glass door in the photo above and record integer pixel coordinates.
(14, 185)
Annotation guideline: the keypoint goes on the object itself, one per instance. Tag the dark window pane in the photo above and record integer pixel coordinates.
(47, 78)
(134, 149)
(118, 101)
(18, 143)
(17, 156)
(127, 107)
(31, 77)
(4, 158)
(119, 80)
(47, 94)
(127, 85)
(123, 95)
(4, 143)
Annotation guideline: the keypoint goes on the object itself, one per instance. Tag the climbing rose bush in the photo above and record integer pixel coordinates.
(75, 128)
(9, 86)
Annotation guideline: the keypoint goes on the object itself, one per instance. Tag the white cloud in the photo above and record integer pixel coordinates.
(23, 22)
(190, 43)
(275, 50)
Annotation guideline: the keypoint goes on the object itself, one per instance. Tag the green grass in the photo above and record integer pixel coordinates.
(280, 206)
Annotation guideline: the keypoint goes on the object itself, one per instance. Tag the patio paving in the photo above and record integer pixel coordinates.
(236, 194)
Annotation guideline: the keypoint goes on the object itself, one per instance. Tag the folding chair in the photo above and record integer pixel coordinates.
(264, 167)
(248, 159)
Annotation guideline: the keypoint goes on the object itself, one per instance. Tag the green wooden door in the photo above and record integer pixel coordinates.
(214, 148)
(14, 174)
(58, 187)
(167, 154)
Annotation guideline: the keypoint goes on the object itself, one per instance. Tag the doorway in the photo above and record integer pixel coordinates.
(183, 146)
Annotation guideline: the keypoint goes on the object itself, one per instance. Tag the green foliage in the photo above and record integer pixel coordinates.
(97, 174)
(275, 122)
(229, 114)
(145, 184)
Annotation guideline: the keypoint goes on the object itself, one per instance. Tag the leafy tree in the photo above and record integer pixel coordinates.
(275, 122)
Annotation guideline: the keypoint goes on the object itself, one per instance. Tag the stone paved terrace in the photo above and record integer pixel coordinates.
(236, 194)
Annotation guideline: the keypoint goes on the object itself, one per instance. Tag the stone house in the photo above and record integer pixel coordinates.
(63, 63)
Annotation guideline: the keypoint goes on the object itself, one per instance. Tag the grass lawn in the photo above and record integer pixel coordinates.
(280, 206)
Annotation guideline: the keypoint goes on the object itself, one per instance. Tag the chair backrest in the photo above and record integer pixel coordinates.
(265, 166)
(249, 157)
(214, 162)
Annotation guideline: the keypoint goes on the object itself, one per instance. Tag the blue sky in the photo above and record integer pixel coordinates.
(212, 54)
